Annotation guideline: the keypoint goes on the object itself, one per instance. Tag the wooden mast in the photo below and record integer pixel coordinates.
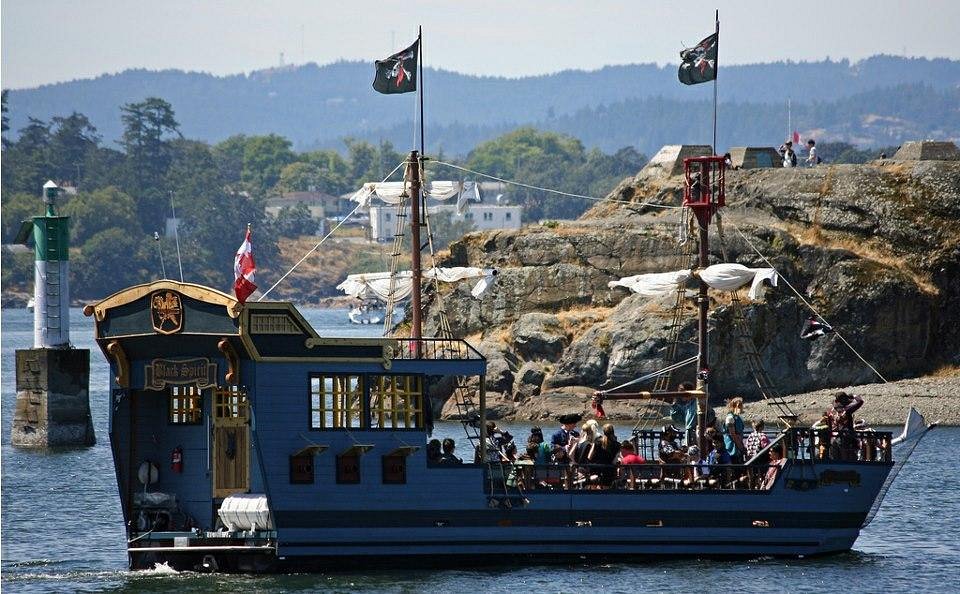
(413, 177)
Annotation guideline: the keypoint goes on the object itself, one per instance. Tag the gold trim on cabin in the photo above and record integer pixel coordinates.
(232, 376)
(198, 292)
(115, 351)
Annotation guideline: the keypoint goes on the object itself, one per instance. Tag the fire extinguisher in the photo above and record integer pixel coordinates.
(176, 460)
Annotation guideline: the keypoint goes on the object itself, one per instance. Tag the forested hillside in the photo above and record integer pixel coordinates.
(879, 101)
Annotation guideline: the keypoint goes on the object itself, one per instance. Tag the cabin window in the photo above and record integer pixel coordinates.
(186, 405)
(394, 469)
(348, 468)
(336, 401)
(396, 402)
(508, 216)
(230, 403)
(301, 469)
(488, 216)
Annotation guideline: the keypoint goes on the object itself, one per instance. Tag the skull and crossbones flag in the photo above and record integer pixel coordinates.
(398, 73)
(698, 64)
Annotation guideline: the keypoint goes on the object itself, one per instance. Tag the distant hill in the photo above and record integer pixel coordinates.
(880, 100)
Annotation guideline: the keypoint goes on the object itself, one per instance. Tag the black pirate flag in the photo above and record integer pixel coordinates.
(698, 64)
(398, 73)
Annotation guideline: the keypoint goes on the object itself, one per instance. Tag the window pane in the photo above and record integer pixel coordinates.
(396, 402)
(336, 401)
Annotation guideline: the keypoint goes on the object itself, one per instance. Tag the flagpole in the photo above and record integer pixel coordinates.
(716, 74)
(420, 85)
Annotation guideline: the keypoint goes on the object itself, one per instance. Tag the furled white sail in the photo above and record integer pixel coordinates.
(440, 191)
(724, 277)
(377, 284)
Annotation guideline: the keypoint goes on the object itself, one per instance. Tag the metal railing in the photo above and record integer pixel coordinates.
(510, 478)
(823, 445)
(451, 349)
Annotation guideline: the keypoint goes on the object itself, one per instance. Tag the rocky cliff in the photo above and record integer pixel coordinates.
(875, 248)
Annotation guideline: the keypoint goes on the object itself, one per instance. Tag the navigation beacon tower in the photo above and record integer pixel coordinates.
(53, 404)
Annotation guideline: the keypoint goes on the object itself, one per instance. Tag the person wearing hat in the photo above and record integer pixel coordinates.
(839, 419)
(568, 429)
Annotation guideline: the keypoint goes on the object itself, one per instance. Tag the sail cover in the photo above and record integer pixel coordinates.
(376, 285)
(441, 191)
(724, 277)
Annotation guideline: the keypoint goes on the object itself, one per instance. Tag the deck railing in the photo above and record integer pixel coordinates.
(823, 445)
(450, 349)
(506, 477)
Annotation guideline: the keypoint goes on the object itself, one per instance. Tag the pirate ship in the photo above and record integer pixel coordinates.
(245, 441)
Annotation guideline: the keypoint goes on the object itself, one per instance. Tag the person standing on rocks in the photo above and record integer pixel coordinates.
(786, 152)
(812, 158)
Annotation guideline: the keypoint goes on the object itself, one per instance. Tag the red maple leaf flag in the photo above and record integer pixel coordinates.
(244, 269)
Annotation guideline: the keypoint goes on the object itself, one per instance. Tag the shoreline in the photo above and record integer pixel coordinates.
(937, 398)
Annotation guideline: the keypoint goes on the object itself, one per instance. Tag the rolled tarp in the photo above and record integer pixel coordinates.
(441, 191)
(723, 277)
(376, 285)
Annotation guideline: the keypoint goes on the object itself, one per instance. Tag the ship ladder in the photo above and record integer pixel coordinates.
(467, 409)
(398, 236)
(686, 253)
(748, 347)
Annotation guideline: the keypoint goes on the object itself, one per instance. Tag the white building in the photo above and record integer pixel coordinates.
(492, 212)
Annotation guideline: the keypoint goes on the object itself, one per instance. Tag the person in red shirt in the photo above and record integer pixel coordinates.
(629, 457)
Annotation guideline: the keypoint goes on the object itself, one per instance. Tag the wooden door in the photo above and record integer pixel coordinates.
(231, 442)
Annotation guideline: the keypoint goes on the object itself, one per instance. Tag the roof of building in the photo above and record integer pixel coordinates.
(755, 157)
(927, 150)
(669, 160)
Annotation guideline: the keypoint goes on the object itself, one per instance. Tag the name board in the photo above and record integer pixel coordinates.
(199, 372)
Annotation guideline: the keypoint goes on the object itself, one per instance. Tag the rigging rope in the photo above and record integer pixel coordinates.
(319, 243)
(807, 303)
(550, 190)
(666, 369)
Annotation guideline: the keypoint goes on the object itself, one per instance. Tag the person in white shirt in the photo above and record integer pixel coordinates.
(812, 158)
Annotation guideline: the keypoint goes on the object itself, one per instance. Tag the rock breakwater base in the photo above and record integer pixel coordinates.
(875, 248)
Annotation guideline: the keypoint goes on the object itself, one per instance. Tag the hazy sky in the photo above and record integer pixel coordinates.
(48, 41)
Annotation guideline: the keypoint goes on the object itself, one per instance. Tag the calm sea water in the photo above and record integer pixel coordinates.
(62, 529)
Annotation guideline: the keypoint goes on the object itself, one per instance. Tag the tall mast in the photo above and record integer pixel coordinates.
(413, 176)
(704, 193)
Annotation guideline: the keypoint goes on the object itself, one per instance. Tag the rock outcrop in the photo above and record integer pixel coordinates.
(874, 248)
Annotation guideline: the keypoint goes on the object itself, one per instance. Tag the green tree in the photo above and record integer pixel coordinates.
(333, 171)
(294, 221)
(26, 163)
(18, 207)
(111, 260)
(99, 210)
(147, 129)
(299, 177)
(5, 118)
(362, 158)
(16, 269)
(229, 157)
(264, 157)
(72, 138)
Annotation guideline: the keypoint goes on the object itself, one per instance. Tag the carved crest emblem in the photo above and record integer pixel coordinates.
(166, 312)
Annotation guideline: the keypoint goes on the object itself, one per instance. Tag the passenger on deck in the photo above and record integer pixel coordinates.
(628, 459)
(605, 454)
(718, 452)
(448, 458)
(544, 451)
(698, 467)
(683, 413)
(582, 451)
(568, 429)
(776, 462)
(756, 441)
(496, 443)
(433, 451)
(733, 430)
(843, 443)
(668, 451)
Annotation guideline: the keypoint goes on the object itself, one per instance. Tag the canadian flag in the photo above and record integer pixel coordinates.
(244, 269)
